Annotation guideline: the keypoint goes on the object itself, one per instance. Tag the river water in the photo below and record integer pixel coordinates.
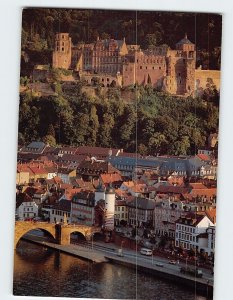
(44, 272)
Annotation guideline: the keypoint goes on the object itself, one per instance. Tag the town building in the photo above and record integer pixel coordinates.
(26, 208)
(191, 231)
(167, 211)
(60, 212)
(121, 212)
(141, 212)
(82, 208)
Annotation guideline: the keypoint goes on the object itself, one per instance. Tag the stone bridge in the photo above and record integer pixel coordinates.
(60, 232)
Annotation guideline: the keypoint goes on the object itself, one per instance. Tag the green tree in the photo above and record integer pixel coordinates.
(105, 130)
(156, 143)
(49, 139)
(51, 130)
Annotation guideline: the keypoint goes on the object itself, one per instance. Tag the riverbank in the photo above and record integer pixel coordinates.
(200, 285)
(78, 251)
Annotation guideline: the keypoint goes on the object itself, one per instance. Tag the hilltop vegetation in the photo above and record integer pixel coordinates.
(160, 123)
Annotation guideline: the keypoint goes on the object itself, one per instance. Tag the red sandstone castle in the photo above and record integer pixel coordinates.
(114, 63)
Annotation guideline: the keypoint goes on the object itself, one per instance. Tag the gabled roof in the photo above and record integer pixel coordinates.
(63, 205)
(21, 198)
(172, 189)
(70, 192)
(38, 170)
(36, 145)
(95, 167)
(204, 157)
(111, 178)
(197, 185)
(84, 195)
(211, 214)
(96, 151)
(66, 171)
(192, 219)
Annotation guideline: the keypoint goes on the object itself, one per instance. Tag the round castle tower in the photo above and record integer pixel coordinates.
(109, 207)
(99, 193)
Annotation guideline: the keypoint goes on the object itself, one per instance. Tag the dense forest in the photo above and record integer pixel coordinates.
(160, 123)
(146, 28)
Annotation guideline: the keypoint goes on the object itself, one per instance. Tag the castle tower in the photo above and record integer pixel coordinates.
(99, 193)
(62, 51)
(109, 208)
(181, 63)
(185, 45)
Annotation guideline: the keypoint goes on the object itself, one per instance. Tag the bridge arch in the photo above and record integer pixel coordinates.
(22, 228)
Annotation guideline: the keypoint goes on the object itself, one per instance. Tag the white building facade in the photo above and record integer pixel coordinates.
(190, 232)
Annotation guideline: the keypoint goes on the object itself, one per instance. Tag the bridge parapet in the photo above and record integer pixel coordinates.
(60, 232)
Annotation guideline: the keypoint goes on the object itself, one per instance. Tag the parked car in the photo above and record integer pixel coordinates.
(159, 264)
(145, 251)
(172, 262)
(191, 271)
(119, 253)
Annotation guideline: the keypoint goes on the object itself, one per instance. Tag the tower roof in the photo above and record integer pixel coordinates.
(110, 189)
(100, 188)
(185, 40)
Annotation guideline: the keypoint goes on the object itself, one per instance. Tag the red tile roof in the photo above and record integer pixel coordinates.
(172, 189)
(197, 185)
(110, 178)
(204, 157)
(96, 151)
(211, 214)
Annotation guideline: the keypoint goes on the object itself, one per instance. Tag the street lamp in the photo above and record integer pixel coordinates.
(152, 257)
(186, 263)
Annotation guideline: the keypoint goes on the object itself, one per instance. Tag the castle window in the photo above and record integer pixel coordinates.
(146, 67)
(159, 68)
(140, 67)
(62, 49)
(62, 36)
(153, 68)
(179, 74)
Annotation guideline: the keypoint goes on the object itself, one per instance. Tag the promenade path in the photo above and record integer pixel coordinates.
(99, 252)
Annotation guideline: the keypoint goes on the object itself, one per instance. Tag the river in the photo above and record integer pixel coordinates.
(44, 272)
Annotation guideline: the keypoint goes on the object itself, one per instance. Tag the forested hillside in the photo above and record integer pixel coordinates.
(164, 124)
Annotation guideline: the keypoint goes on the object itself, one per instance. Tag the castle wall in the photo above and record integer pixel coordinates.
(104, 79)
(203, 78)
(147, 69)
